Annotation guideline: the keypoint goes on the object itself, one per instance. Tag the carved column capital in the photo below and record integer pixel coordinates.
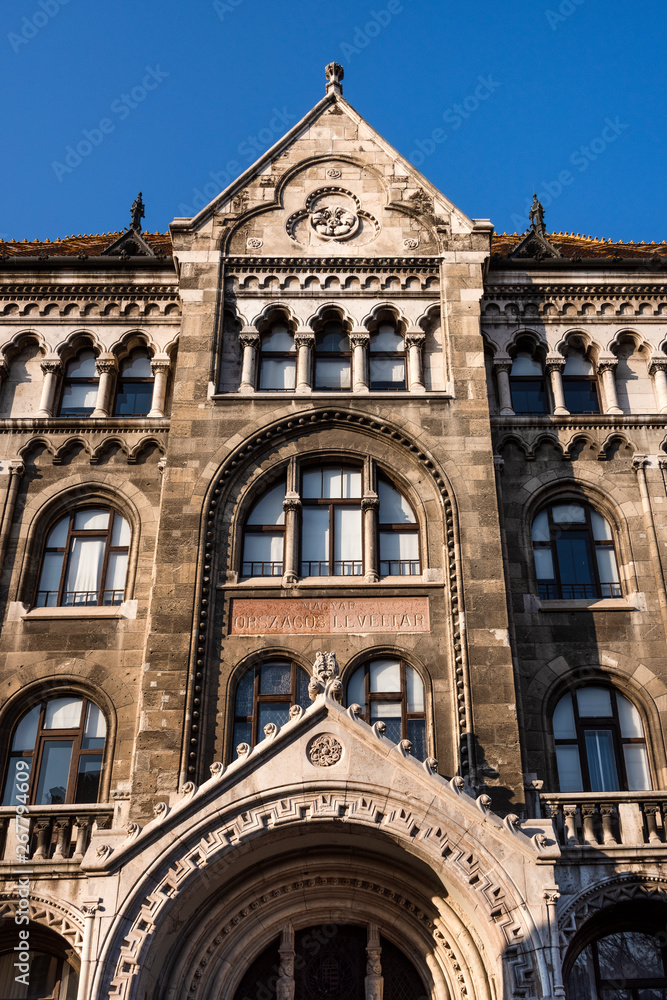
(370, 501)
(639, 461)
(304, 337)
(657, 364)
(51, 365)
(106, 364)
(4, 369)
(502, 364)
(415, 337)
(607, 363)
(555, 362)
(360, 337)
(249, 336)
(292, 503)
(160, 364)
(551, 896)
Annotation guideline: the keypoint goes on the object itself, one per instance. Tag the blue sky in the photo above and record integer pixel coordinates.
(490, 100)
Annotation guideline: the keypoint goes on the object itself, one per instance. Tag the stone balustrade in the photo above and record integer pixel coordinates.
(608, 819)
(57, 833)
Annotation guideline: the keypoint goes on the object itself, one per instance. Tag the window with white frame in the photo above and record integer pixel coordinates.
(387, 358)
(85, 560)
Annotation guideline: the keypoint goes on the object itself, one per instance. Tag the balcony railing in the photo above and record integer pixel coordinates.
(607, 819)
(56, 833)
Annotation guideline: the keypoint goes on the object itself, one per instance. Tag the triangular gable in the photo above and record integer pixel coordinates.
(535, 246)
(234, 199)
(131, 244)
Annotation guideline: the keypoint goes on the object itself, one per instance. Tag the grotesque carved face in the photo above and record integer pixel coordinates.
(333, 221)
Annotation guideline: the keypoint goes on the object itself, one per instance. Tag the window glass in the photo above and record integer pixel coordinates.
(387, 339)
(607, 569)
(356, 692)
(88, 778)
(385, 675)
(631, 725)
(601, 760)
(629, 955)
(415, 690)
(569, 769)
(63, 713)
(399, 553)
(544, 564)
(95, 729)
(394, 508)
(577, 365)
(26, 731)
(332, 338)
(388, 712)
(601, 529)
(78, 398)
(50, 578)
(568, 514)
(84, 571)
(54, 772)
(332, 374)
(278, 339)
(594, 702)
(120, 534)
(525, 365)
(315, 539)
(563, 719)
(277, 373)
(541, 527)
(387, 373)
(115, 580)
(87, 520)
(269, 509)
(138, 365)
(347, 541)
(279, 685)
(82, 366)
(275, 678)
(636, 767)
(57, 537)
(263, 554)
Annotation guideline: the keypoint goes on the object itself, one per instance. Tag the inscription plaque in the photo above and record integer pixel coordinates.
(315, 616)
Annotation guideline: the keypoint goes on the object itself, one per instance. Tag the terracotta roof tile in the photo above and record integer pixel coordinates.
(575, 245)
(71, 246)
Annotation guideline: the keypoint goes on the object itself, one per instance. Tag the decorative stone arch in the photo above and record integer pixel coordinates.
(274, 312)
(327, 309)
(550, 439)
(617, 435)
(580, 340)
(40, 440)
(535, 339)
(57, 915)
(575, 913)
(10, 348)
(581, 436)
(69, 443)
(629, 333)
(478, 911)
(36, 681)
(132, 339)
(514, 437)
(143, 443)
(252, 450)
(77, 341)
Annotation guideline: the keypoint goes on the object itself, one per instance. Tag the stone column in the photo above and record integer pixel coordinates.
(16, 470)
(90, 908)
(285, 985)
(292, 508)
(370, 504)
(639, 463)
(374, 981)
(106, 367)
(657, 369)
(360, 340)
(160, 365)
(249, 340)
(551, 897)
(52, 368)
(415, 339)
(304, 339)
(606, 369)
(555, 365)
(502, 367)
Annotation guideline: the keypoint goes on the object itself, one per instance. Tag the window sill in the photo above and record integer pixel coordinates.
(428, 578)
(274, 394)
(20, 612)
(634, 602)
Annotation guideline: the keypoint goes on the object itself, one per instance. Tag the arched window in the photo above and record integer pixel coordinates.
(387, 356)
(51, 975)
(264, 538)
(580, 384)
(600, 745)
(332, 357)
(627, 961)
(277, 359)
(331, 536)
(57, 747)
(399, 534)
(389, 690)
(134, 390)
(574, 553)
(85, 560)
(265, 694)
(79, 390)
(527, 384)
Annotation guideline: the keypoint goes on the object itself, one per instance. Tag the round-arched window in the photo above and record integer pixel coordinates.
(265, 695)
(574, 553)
(389, 690)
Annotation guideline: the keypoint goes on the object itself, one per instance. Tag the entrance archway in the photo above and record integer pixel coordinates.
(331, 962)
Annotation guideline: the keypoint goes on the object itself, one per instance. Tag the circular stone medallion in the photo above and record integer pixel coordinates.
(324, 750)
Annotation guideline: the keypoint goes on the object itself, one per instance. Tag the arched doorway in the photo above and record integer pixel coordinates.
(331, 962)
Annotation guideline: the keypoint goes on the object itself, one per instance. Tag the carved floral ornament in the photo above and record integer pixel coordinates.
(324, 750)
(332, 215)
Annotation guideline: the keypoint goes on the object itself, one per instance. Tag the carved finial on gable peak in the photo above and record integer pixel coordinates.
(334, 73)
(536, 216)
(138, 213)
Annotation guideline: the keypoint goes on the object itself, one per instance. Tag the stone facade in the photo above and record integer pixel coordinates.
(331, 322)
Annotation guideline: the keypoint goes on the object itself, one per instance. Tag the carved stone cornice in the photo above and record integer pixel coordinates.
(315, 264)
